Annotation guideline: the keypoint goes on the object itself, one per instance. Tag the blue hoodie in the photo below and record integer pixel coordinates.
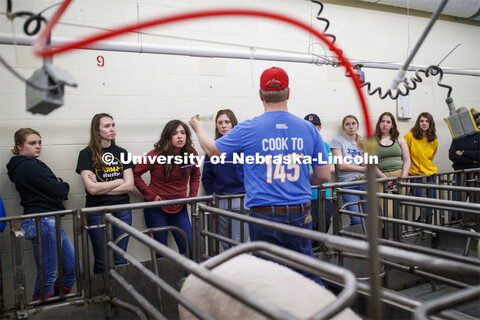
(224, 178)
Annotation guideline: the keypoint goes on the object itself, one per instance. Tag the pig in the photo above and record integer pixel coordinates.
(278, 284)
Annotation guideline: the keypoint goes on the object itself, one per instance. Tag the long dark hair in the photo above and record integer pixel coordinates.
(95, 143)
(20, 137)
(431, 132)
(231, 116)
(393, 131)
(358, 138)
(165, 147)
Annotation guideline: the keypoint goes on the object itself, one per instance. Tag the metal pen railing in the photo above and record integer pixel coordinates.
(17, 235)
(426, 262)
(202, 271)
(103, 210)
(447, 301)
(203, 235)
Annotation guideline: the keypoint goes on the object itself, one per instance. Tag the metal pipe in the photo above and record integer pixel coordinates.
(353, 245)
(415, 224)
(151, 310)
(408, 303)
(159, 282)
(235, 291)
(438, 187)
(420, 249)
(445, 302)
(372, 228)
(41, 261)
(445, 203)
(248, 54)
(130, 307)
(58, 242)
(401, 72)
(143, 205)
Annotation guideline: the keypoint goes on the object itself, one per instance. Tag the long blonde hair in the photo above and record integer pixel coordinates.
(358, 138)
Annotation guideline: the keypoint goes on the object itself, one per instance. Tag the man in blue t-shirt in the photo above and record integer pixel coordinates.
(276, 150)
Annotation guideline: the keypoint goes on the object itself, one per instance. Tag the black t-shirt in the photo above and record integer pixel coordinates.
(114, 170)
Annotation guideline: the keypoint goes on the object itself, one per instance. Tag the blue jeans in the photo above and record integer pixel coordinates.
(97, 238)
(429, 193)
(156, 217)
(295, 243)
(236, 225)
(354, 207)
(49, 248)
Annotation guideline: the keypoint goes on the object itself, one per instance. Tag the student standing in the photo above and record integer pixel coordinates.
(170, 181)
(107, 182)
(464, 152)
(41, 191)
(227, 178)
(350, 144)
(393, 154)
(423, 145)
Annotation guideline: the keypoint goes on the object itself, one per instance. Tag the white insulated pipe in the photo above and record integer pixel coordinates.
(207, 52)
(456, 8)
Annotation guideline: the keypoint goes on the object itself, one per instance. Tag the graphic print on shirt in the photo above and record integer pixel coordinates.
(354, 152)
(279, 166)
(113, 171)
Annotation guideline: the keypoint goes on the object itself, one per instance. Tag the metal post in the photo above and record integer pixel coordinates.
(17, 235)
(108, 256)
(76, 244)
(372, 207)
(85, 254)
(58, 237)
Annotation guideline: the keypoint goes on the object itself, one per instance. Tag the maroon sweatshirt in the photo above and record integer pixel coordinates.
(173, 188)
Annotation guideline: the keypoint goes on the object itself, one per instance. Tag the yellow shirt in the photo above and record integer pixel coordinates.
(422, 153)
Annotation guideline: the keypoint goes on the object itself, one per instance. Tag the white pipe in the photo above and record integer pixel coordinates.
(197, 51)
(455, 8)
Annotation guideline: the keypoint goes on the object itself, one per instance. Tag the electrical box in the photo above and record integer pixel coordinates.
(47, 91)
(42, 100)
(464, 122)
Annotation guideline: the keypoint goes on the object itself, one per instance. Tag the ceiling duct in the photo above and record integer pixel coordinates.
(457, 8)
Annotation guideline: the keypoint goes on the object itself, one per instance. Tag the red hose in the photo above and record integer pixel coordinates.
(48, 51)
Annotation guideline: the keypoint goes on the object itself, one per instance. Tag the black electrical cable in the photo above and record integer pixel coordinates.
(36, 18)
(327, 22)
(32, 18)
(408, 84)
(19, 76)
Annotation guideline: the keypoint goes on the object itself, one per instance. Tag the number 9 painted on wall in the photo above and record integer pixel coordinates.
(100, 61)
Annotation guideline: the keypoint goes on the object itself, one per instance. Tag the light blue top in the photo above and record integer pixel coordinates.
(327, 191)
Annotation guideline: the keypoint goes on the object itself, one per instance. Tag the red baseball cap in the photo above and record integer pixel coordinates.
(274, 79)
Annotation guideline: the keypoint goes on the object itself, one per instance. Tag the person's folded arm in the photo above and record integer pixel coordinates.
(96, 188)
(126, 186)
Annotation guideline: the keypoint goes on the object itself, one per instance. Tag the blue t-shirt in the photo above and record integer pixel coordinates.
(288, 144)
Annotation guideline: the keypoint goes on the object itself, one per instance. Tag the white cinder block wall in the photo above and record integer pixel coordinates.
(144, 91)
